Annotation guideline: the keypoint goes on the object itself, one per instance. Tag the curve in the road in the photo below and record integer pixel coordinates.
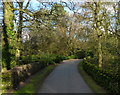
(65, 78)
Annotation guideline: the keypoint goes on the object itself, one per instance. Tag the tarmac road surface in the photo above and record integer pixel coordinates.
(65, 78)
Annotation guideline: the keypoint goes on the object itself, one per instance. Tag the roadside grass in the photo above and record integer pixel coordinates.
(91, 83)
(35, 82)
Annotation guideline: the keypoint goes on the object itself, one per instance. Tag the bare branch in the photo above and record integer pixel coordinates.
(27, 4)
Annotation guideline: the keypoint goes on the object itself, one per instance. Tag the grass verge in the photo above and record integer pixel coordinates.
(91, 83)
(35, 81)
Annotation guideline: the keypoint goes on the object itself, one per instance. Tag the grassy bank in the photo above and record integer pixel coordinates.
(88, 79)
(35, 81)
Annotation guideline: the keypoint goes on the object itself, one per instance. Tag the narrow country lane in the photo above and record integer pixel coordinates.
(65, 78)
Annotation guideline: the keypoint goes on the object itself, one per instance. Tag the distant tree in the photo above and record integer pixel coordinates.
(22, 8)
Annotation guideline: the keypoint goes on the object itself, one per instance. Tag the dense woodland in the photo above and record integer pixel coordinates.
(55, 31)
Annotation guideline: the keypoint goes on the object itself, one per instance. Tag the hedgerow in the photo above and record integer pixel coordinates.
(106, 78)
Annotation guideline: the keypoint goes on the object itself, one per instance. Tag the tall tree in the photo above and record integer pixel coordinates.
(93, 15)
(119, 33)
(19, 34)
(8, 33)
(97, 21)
(22, 10)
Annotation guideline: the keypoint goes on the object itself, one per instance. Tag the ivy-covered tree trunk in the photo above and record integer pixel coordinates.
(7, 33)
(100, 52)
(97, 19)
(118, 28)
(118, 36)
(19, 35)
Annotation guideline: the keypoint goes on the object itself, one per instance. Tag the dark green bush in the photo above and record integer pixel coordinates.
(92, 60)
(60, 58)
(105, 78)
(89, 53)
(72, 57)
(80, 54)
(46, 59)
(26, 60)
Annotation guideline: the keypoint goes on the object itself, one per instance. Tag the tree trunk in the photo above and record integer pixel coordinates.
(99, 52)
(7, 32)
(99, 32)
(118, 28)
(5, 46)
(19, 35)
